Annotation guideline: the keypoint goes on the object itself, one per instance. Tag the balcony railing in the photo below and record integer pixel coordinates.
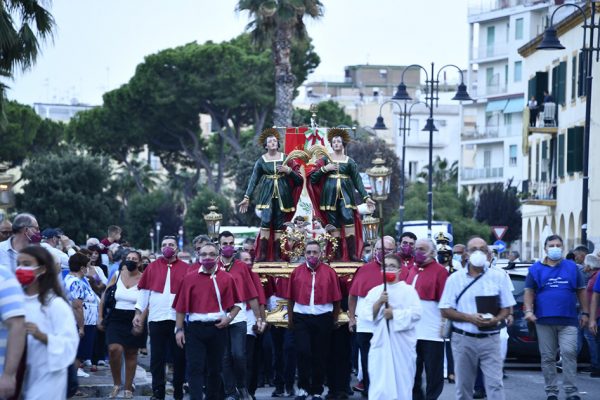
(470, 174)
(538, 191)
(490, 51)
(483, 6)
(491, 132)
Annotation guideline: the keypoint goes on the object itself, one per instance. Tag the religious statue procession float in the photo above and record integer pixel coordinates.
(308, 193)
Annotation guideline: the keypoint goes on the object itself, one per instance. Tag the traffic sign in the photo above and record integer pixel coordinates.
(499, 231)
(500, 246)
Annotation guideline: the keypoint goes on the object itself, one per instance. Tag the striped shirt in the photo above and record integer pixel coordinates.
(12, 304)
(493, 282)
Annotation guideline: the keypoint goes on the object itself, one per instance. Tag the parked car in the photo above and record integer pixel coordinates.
(522, 344)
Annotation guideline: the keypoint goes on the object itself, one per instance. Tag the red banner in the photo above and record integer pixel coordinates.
(295, 138)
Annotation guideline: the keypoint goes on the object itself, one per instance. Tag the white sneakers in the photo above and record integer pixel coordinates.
(82, 374)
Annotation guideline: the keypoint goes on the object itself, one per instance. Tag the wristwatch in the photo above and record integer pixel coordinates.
(177, 330)
(585, 314)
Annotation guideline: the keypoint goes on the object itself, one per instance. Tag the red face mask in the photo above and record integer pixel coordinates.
(389, 277)
(26, 275)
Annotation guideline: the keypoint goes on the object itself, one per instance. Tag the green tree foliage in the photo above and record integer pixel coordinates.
(22, 23)
(194, 219)
(447, 206)
(329, 113)
(443, 171)
(26, 133)
(70, 191)
(144, 210)
(364, 152)
(499, 205)
(277, 24)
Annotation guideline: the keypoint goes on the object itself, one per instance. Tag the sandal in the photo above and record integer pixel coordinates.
(128, 394)
(115, 392)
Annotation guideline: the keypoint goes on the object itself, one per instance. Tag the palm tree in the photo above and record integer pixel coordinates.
(277, 23)
(22, 22)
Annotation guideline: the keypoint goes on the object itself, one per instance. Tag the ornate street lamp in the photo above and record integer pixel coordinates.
(379, 175)
(550, 42)
(213, 221)
(370, 228)
(431, 96)
(405, 127)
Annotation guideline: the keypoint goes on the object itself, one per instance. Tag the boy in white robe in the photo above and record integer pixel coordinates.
(392, 358)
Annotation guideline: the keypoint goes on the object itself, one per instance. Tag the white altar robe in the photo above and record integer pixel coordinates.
(392, 358)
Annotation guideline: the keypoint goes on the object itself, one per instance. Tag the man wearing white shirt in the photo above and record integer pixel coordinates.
(51, 238)
(25, 231)
(159, 284)
(475, 338)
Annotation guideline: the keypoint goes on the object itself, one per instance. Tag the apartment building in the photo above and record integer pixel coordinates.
(491, 131)
(553, 183)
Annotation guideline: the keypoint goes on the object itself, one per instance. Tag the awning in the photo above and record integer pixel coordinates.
(495, 105)
(515, 106)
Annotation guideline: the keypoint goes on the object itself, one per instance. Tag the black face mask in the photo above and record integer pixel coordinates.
(443, 258)
(131, 265)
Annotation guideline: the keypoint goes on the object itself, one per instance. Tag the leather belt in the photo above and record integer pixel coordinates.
(336, 176)
(475, 335)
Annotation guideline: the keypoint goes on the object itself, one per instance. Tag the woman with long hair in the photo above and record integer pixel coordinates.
(121, 336)
(52, 337)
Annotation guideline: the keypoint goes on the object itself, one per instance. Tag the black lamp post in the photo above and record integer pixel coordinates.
(431, 95)
(550, 42)
(380, 125)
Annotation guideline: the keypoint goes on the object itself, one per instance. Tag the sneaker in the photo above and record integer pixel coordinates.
(102, 363)
(82, 374)
(87, 363)
(301, 394)
(359, 387)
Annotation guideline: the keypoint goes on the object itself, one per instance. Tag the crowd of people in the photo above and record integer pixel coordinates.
(419, 312)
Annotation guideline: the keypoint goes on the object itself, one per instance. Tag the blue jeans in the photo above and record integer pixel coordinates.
(594, 346)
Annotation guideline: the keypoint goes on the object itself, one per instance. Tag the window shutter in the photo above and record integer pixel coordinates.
(561, 155)
(571, 150)
(581, 74)
(561, 94)
(573, 78)
(578, 151)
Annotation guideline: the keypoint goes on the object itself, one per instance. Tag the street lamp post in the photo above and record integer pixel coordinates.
(379, 175)
(158, 225)
(380, 125)
(152, 240)
(550, 42)
(431, 96)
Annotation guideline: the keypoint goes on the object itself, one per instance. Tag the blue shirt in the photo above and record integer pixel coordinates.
(12, 304)
(556, 292)
(597, 285)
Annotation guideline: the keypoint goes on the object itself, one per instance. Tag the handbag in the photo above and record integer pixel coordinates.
(109, 300)
(447, 324)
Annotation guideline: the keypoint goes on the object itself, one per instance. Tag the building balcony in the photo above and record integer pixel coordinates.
(471, 174)
(541, 193)
(490, 132)
(492, 52)
(484, 6)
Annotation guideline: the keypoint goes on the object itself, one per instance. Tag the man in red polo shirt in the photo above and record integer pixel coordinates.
(366, 278)
(234, 362)
(314, 297)
(428, 278)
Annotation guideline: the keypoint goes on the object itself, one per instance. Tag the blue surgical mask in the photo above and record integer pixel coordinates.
(457, 258)
(554, 253)
(367, 257)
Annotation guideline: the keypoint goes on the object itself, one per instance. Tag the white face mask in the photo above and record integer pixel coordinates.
(478, 259)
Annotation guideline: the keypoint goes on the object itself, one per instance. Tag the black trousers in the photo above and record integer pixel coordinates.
(234, 358)
(253, 348)
(449, 357)
(204, 349)
(430, 357)
(284, 357)
(162, 337)
(313, 336)
(339, 365)
(363, 341)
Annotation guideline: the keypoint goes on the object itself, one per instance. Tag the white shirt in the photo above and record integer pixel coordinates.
(46, 373)
(430, 325)
(125, 298)
(8, 255)
(364, 324)
(59, 257)
(161, 304)
(493, 282)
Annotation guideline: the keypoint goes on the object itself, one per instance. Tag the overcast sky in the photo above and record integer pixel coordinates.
(98, 43)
